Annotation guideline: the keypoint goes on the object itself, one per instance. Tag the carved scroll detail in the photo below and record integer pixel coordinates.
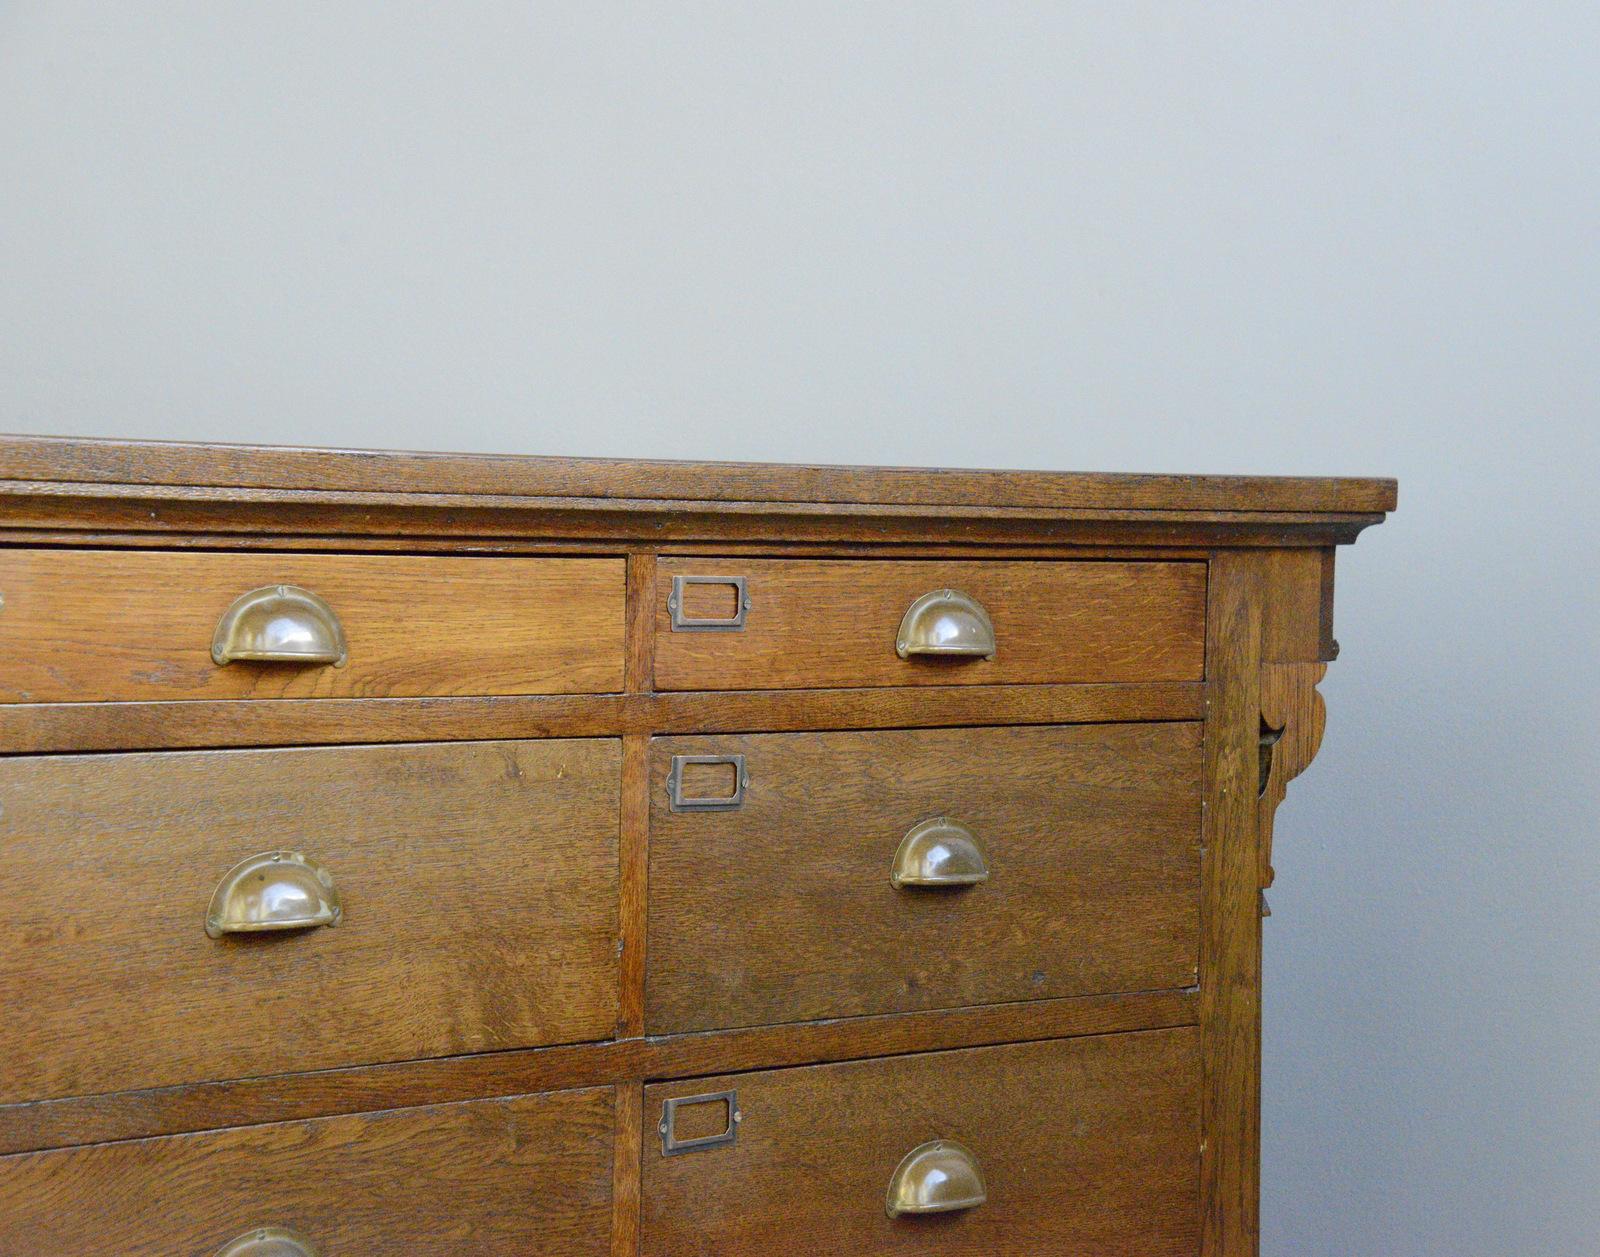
(1292, 720)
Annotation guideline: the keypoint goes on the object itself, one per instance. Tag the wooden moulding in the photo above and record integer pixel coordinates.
(289, 1097)
(864, 546)
(1292, 720)
(27, 458)
(603, 523)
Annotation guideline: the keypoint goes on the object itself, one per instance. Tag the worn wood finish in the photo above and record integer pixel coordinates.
(783, 910)
(1230, 935)
(172, 463)
(94, 1119)
(625, 1168)
(48, 727)
(479, 883)
(1292, 720)
(635, 835)
(1297, 606)
(101, 624)
(499, 1178)
(635, 884)
(462, 521)
(1060, 543)
(640, 640)
(500, 737)
(833, 623)
(1086, 1146)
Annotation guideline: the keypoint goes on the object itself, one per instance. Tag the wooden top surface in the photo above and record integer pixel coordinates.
(164, 463)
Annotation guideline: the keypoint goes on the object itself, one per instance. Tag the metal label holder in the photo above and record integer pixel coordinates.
(712, 624)
(672, 1146)
(678, 802)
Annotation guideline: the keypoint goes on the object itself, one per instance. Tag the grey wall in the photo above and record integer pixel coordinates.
(1309, 237)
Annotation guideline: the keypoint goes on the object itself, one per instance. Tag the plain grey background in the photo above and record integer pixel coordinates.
(1303, 237)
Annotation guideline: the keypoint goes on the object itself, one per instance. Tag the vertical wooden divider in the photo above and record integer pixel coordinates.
(634, 848)
(1230, 928)
(625, 1173)
(634, 876)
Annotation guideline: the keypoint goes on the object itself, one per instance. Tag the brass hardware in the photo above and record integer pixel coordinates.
(939, 852)
(681, 623)
(946, 622)
(676, 799)
(936, 1177)
(672, 1146)
(269, 1241)
(276, 890)
(279, 624)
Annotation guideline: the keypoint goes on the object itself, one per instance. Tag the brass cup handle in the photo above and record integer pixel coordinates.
(269, 1241)
(946, 622)
(936, 1177)
(279, 624)
(939, 852)
(276, 890)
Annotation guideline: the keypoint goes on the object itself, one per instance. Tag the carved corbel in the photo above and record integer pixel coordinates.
(1292, 720)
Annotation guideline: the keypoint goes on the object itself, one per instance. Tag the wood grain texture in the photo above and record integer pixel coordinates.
(173, 463)
(641, 593)
(635, 831)
(83, 625)
(517, 599)
(1086, 1146)
(1052, 543)
(479, 883)
(1297, 606)
(92, 1119)
(897, 1034)
(634, 871)
(1294, 710)
(1230, 935)
(529, 1176)
(464, 521)
(49, 727)
(783, 910)
(816, 624)
(626, 1166)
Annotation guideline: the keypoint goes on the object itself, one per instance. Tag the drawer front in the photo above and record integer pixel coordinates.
(514, 1177)
(786, 908)
(88, 625)
(476, 883)
(1081, 1145)
(819, 624)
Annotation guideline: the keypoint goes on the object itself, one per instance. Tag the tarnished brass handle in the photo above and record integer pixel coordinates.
(939, 852)
(946, 622)
(276, 890)
(269, 1241)
(279, 624)
(936, 1177)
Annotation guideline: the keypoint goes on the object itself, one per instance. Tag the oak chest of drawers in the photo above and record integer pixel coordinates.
(411, 854)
